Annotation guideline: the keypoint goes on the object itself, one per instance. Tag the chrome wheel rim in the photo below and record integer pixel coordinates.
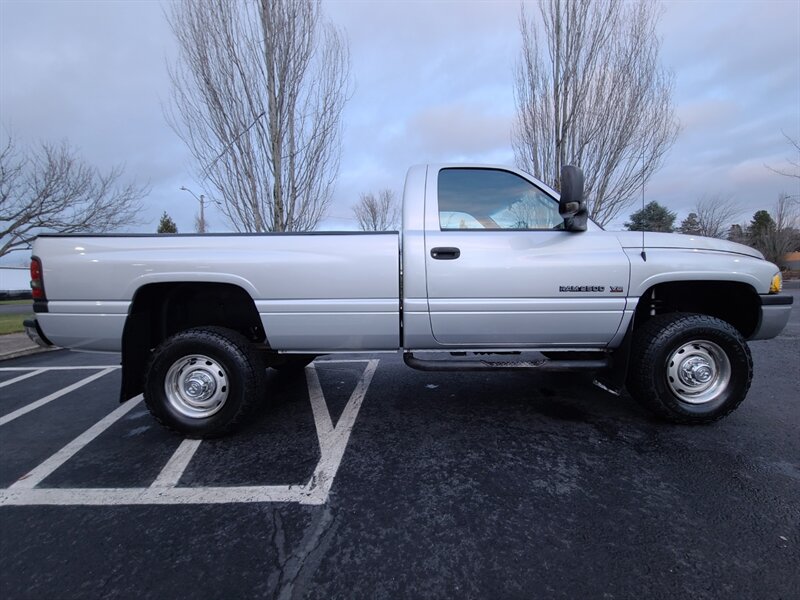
(196, 386)
(698, 372)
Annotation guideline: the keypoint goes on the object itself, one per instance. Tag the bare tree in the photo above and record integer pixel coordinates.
(50, 189)
(786, 213)
(532, 211)
(793, 169)
(258, 95)
(377, 214)
(201, 224)
(590, 92)
(715, 214)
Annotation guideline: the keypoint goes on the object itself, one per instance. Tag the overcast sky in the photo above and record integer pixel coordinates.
(433, 83)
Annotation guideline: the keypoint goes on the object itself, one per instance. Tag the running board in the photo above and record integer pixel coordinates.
(487, 365)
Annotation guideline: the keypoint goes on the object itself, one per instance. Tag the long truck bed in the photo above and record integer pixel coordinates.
(339, 291)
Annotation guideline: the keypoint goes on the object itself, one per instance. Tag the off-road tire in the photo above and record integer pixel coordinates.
(660, 339)
(242, 375)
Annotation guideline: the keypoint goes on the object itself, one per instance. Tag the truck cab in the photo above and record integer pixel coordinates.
(492, 263)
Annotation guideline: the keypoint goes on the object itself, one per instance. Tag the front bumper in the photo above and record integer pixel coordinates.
(775, 311)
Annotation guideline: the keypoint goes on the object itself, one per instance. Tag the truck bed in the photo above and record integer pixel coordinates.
(333, 291)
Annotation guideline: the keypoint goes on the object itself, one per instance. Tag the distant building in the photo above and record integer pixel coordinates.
(15, 282)
(792, 261)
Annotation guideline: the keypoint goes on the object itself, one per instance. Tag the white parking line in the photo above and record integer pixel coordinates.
(171, 474)
(63, 392)
(38, 475)
(332, 443)
(322, 418)
(75, 368)
(22, 377)
(164, 490)
(184, 495)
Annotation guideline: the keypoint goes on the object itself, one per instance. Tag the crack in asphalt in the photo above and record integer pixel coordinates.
(302, 563)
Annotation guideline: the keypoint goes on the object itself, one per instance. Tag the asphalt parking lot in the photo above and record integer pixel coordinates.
(364, 479)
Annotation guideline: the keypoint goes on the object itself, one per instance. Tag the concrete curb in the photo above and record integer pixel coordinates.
(25, 352)
(14, 345)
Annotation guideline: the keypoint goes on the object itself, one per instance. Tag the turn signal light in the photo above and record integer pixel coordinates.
(777, 284)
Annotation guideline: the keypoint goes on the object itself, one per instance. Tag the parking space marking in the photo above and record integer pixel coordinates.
(164, 490)
(170, 475)
(322, 417)
(333, 443)
(75, 368)
(22, 377)
(176, 495)
(37, 475)
(55, 395)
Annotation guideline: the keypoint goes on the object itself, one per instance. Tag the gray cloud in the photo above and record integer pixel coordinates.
(737, 71)
(433, 81)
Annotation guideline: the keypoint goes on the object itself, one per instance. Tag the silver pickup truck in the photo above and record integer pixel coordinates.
(490, 261)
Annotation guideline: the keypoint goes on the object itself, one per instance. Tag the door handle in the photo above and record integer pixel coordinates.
(445, 253)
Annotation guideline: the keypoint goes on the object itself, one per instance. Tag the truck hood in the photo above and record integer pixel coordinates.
(633, 239)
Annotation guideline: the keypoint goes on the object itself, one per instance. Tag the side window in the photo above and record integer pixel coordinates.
(493, 199)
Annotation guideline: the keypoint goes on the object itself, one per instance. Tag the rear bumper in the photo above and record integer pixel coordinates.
(35, 333)
(775, 311)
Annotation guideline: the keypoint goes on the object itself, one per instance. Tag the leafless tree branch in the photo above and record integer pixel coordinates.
(715, 214)
(793, 169)
(377, 214)
(50, 189)
(258, 95)
(590, 92)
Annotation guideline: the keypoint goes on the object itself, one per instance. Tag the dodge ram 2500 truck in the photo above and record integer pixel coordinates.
(489, 261)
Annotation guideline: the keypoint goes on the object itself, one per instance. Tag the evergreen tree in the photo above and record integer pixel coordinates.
(166, 224)
(690, 225)
(652, 217)
(761, 226)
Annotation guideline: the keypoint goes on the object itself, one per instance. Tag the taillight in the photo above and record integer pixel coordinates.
(37, 283)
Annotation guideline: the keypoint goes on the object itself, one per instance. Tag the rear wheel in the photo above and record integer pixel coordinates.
(689, 368)
(202, 382)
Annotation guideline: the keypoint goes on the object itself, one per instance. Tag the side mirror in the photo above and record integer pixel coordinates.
(571, 207)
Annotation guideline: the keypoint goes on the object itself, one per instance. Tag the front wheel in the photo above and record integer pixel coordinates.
(202, 382)
(689, 368)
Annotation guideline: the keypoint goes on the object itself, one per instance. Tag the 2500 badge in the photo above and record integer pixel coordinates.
(614, 289)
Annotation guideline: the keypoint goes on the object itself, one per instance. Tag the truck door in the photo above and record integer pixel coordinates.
(502, 272)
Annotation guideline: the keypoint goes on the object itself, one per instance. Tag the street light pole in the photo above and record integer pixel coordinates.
(202, 200)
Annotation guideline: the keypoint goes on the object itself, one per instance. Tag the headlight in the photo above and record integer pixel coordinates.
(777, 284)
